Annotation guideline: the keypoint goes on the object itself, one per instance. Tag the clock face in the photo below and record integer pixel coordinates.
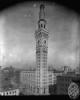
(44, 42)
(41, 42)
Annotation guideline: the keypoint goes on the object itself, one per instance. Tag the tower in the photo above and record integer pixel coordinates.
(41, 36)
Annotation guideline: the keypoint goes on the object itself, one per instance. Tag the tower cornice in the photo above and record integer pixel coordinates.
(42, 30)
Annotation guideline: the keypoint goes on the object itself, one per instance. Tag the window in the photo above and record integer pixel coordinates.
(45, 41)
(44, 26)
(41, 25)
(38, 41)
(7, 93)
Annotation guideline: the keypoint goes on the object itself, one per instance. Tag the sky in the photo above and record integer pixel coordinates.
(17, 41)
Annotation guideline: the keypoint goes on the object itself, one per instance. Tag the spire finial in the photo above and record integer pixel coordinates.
(42, 6)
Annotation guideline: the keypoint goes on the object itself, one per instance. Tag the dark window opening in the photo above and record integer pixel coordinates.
(41, 25)
(44, 26)
(38, 41)
(44, 91)
(45, 41)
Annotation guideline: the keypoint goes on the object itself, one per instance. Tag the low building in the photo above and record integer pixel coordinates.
(0, 78)
(52, 78)
(10, 93)
(9, 79)
(53, 89)
(64, 81)
(52, 74)
(27, 78)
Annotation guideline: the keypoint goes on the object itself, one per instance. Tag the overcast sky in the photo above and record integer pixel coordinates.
(17, 40)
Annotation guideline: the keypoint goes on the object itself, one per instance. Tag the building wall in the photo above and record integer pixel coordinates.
(10, 93)
(51, 78)
(63, 83)
(53, 89)
(9, 79)
(0, 79)
(28, 81)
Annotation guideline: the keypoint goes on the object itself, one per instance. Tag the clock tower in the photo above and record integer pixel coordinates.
(41, 36)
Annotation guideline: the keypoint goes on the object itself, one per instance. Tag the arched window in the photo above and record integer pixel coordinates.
(44, 26)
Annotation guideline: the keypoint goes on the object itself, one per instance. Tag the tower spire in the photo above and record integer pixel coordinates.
(42, 21)
(42, 12)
